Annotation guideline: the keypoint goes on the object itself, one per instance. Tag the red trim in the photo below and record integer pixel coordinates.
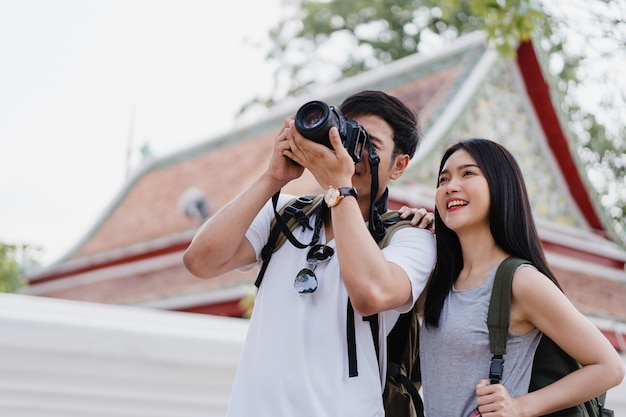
(583, 256)
(394, 204)
(230, 308)
(539, 93)
(62, 273)
(618, 340)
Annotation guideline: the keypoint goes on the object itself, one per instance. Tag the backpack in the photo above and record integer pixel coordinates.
(400, 397)
(550, 363)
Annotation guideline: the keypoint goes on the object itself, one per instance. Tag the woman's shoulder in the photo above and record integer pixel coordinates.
(534, 297)
(527, 278)
(534, 289)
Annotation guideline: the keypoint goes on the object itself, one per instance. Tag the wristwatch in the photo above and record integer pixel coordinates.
(334, 195)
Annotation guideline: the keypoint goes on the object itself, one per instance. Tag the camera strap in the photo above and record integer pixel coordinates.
(377, 208)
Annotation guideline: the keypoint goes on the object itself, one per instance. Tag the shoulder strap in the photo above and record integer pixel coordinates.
(392, 223)
(295, 212)
(499, 314)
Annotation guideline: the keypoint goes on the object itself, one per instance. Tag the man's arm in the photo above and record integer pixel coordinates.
(373, 283)
(220, 244)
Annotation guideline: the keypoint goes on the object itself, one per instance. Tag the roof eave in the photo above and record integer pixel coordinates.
(538, 90)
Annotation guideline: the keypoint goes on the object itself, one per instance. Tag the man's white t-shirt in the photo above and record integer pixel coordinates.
(295, 358)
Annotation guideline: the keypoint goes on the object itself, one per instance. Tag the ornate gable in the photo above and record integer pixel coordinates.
(499, 110)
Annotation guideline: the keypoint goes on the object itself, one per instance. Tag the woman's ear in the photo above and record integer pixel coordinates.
(399, 165)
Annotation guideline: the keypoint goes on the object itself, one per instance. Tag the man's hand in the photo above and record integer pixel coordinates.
(328, 166)
(281, 168)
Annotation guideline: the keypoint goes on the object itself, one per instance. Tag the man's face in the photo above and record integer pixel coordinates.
(381, 138)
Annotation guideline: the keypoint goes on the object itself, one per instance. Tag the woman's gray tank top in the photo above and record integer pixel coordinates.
(455, 355)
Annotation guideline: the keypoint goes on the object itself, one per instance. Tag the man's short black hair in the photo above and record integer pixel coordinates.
(402, 120)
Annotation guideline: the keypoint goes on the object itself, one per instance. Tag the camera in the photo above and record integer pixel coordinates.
(315, 118)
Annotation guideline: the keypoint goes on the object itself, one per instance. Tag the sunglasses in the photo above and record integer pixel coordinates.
(306, 281)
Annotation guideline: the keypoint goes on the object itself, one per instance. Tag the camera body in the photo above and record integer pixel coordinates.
(315, 118)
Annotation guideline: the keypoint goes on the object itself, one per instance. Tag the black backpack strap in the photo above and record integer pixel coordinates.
(391, 222)
(499, 315)
(374, 327)
(353, 368)
(295, 212)
(394, 371)
(266, 255)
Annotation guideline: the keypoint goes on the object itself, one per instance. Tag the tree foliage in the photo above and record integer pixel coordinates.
(593, 38)
(321, 41)
(13, 260)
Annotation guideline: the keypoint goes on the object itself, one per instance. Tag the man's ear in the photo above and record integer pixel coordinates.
(399, 165)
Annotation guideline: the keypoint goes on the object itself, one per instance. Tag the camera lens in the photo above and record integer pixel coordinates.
(312, 119)
(312, 116)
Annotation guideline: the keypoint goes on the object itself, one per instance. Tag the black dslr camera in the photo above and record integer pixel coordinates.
(314, 120)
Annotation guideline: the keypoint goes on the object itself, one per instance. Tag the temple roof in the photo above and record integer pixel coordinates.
(462, 91)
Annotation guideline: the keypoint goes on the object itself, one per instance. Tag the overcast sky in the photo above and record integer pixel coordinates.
(75, 74)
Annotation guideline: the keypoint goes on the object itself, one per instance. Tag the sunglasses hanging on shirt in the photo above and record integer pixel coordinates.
(306, 281)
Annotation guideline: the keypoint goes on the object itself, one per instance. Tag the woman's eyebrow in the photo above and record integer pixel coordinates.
(459, 168)
(467, 166)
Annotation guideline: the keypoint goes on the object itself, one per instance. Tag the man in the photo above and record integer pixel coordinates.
(299, 359)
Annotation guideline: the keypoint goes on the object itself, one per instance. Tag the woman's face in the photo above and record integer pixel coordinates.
(462, 196)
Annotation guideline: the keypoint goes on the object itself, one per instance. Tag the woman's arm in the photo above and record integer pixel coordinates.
(537, 302)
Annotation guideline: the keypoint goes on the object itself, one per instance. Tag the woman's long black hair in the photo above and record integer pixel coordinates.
(510, 219)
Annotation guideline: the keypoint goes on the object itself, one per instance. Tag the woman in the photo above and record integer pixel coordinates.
(483, 216)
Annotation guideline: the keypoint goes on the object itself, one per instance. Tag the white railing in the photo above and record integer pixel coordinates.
(62, 358)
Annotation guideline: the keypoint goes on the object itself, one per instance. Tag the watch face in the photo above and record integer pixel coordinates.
(331, 197)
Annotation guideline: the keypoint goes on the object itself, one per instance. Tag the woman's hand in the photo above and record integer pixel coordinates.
(420, 217)
(495, 401)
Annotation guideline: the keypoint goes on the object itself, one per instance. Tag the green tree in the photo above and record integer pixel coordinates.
(14, 259)
(321, 41)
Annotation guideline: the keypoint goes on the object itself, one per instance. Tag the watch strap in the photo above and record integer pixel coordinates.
(347, 191)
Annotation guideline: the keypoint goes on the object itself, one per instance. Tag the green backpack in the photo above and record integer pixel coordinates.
(401, 397)
(550, 363)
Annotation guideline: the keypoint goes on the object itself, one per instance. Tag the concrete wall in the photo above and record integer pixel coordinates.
(63, 358)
